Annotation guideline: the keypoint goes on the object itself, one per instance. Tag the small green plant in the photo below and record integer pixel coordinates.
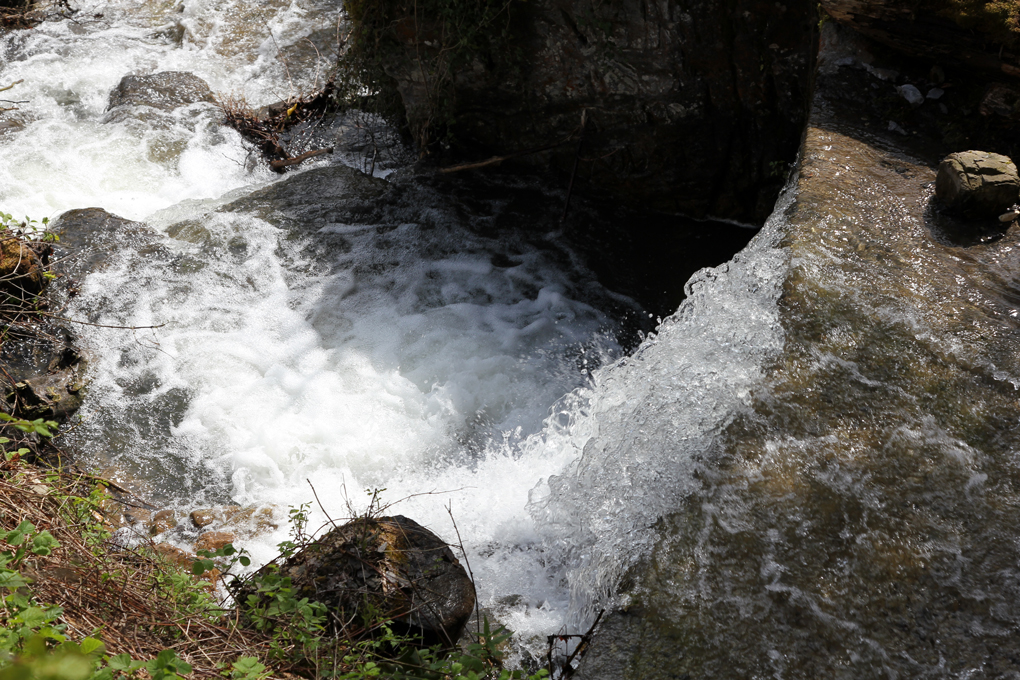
(27, 228)
(481, 660)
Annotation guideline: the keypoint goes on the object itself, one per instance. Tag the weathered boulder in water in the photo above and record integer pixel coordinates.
(693, 107)
(984, 35)
(90, 239)
(167, 91)
(53, 396)
(388, 567)
(977, 183)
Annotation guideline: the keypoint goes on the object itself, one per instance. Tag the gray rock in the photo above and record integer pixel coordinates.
(165, 91)
(911, 94)
(935, 93)
(977, 184)
(387, 566)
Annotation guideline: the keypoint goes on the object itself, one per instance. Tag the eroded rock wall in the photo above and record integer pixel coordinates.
(692, 106)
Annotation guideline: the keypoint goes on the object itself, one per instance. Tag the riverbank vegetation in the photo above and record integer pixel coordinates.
(77, 604)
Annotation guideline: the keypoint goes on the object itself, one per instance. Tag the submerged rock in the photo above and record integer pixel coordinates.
(166, 91)
(388, 567)
(977, 184)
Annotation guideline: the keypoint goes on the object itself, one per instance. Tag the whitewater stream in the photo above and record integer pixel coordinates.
(809, 469)
(453, 356)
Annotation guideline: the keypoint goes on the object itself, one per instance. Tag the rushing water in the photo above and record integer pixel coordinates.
(451, 351)
(809, 470)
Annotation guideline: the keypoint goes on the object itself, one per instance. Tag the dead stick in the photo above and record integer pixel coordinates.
(276, 165)
(495, 160)
(573, 173)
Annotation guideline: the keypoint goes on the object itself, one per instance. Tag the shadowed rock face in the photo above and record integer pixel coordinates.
(693, 107)
(934, 30)
(857, 518)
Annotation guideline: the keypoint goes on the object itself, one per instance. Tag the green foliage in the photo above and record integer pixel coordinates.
(39, 426)
(27, 228)
(399, 658)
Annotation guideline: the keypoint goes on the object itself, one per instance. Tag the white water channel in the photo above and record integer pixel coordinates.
(453, 383)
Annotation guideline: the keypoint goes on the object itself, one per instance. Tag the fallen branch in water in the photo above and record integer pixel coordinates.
(16, 82)
(280, 164)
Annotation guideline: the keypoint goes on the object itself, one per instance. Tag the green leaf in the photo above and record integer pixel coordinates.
(124, 663)
(43, 543)
(92, 646)
(34, 617)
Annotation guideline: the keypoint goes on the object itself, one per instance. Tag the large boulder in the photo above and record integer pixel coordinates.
(166, 91)
(375, 569)
(852, 512)
(692, 107)
(977, 184)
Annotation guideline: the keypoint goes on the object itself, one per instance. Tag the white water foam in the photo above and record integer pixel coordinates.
(440, 379)
(66, 156)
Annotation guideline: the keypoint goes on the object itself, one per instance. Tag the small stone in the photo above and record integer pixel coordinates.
(977, 184)
(203, 518)
(213, 540)
(896, 127)
(1009, 216)
(162, 521)
(138, 515)
(911, 94)
(935, 93)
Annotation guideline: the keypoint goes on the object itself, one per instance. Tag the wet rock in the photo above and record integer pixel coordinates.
(911, 94)
(54, 396)
(1001, 101)
(823, 533)
(162, 521)
(202, 518)
(138, 515)
(91, 238)
(166, 91)
(412, 576)
(175, 555)
(214, 540)
(974, 35)
(977, 184)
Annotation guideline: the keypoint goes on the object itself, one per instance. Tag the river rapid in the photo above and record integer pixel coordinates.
(809, 469)
(449, 357)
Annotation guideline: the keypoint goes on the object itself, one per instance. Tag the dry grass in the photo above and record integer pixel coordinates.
(123, 596)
